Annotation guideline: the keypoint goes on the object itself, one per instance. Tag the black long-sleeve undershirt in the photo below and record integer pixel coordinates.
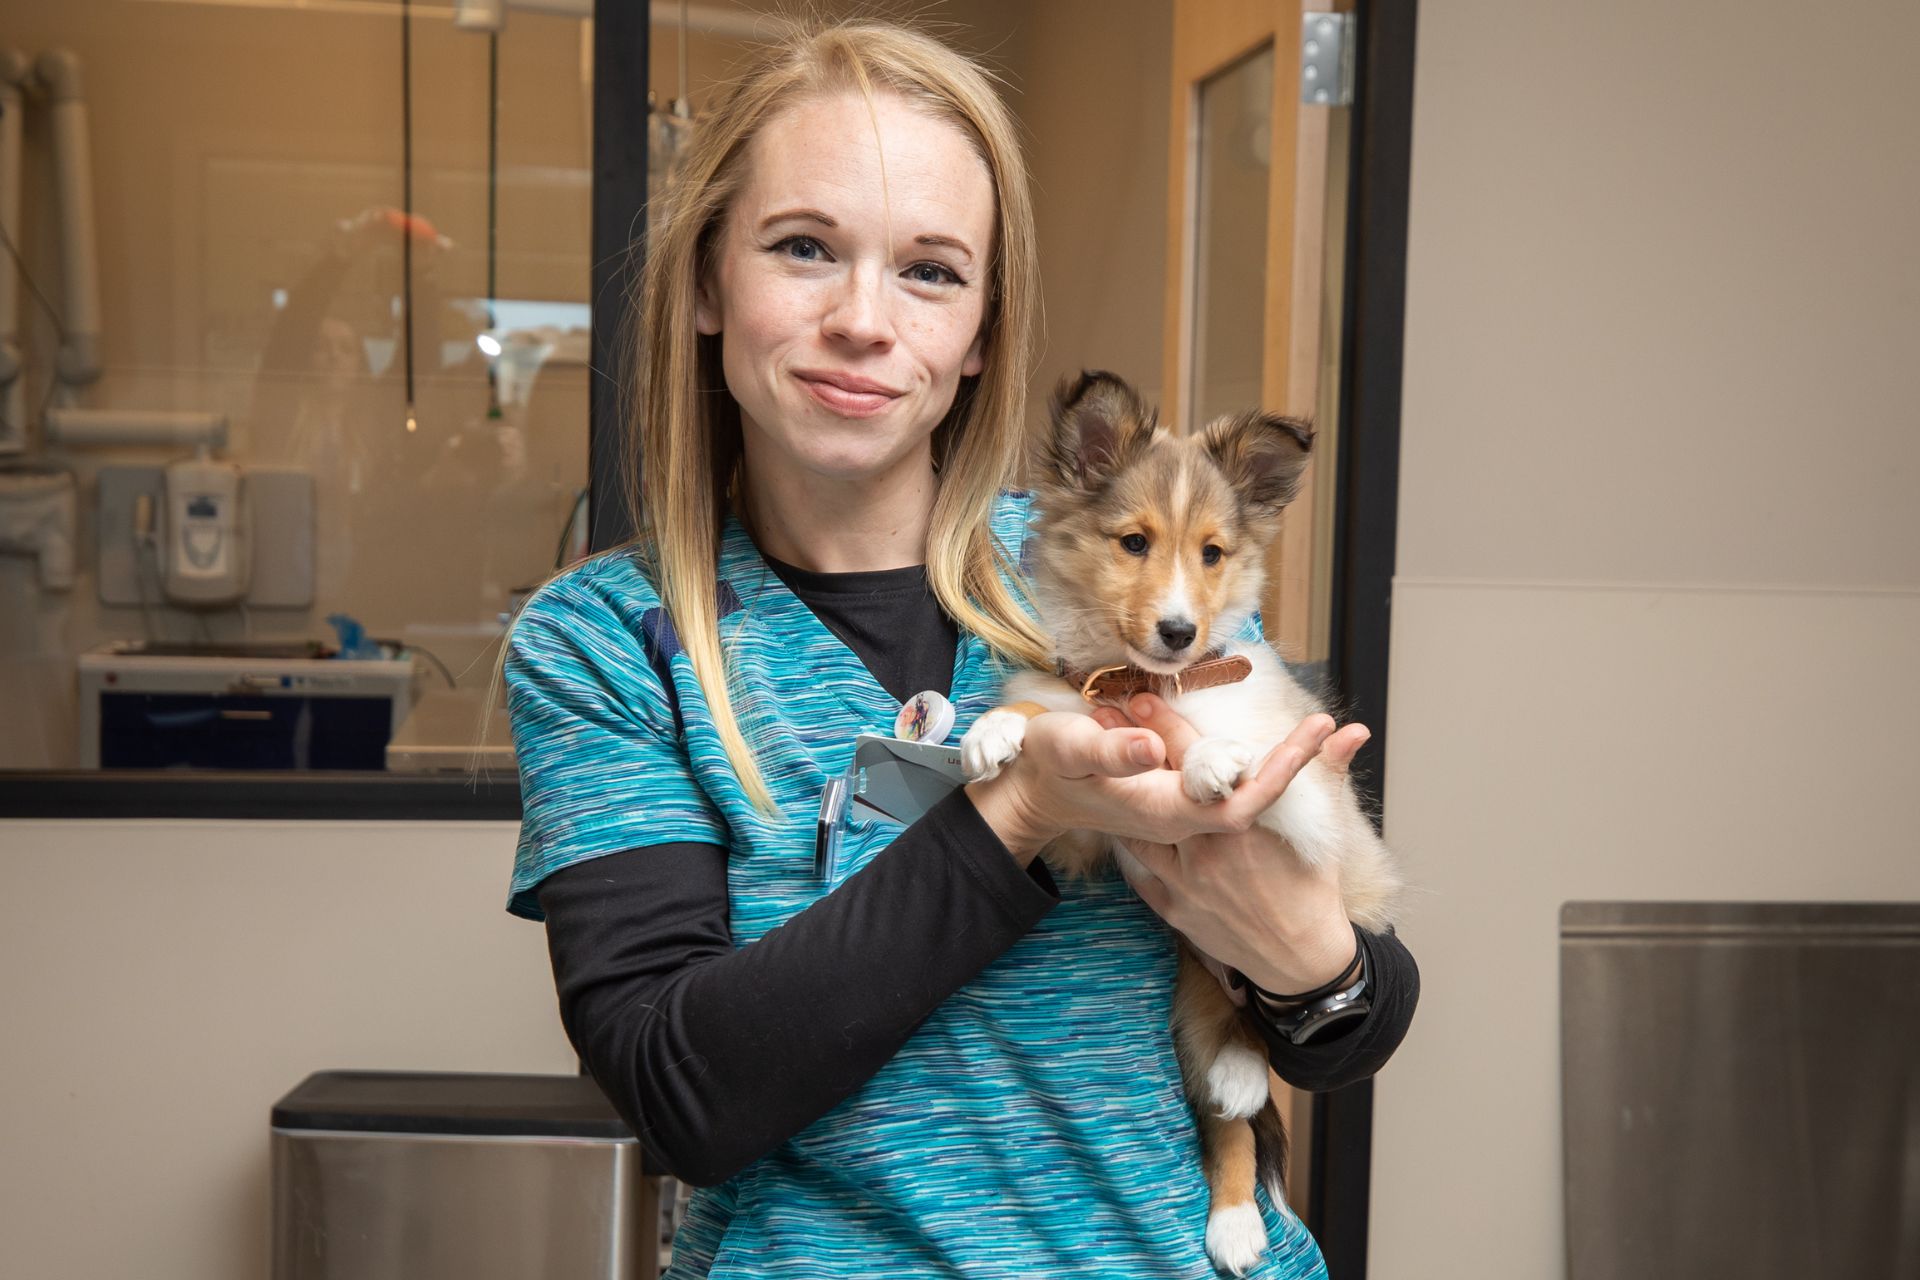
(716, 1054)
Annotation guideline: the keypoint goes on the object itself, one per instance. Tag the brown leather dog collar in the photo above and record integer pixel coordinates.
(1118, 683)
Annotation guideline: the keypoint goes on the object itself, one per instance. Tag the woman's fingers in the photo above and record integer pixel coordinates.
(1337, 752)
(1300, 746)
(1152, 712)
(1283, 764)
(1074, 746)
(1107, 744)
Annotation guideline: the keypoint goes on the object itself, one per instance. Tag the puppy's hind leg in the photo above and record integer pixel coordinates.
(1223, 1062)
(1236, 1234)
(1226, 1083)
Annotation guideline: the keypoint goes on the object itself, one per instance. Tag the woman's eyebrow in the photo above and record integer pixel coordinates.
(800, 215)
(948, 242)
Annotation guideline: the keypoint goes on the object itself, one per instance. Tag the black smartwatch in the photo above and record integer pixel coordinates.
(1312, 1014)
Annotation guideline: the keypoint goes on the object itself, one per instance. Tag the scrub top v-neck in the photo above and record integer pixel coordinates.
(888, 618)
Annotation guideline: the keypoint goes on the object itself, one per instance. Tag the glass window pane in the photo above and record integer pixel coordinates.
(256, 273)
(1337, 127)
(1235, 136)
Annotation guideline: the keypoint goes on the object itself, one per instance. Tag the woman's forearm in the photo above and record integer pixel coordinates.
(716, 1055)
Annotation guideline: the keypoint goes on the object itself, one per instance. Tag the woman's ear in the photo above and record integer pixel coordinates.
(706, 306)
(976, 358)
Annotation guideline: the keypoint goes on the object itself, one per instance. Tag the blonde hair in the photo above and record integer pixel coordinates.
(683, 453)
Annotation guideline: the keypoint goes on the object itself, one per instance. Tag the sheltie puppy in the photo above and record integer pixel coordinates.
(1147, 557)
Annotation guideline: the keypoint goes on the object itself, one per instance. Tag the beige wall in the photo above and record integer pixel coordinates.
(1659, 554)
(163, 983)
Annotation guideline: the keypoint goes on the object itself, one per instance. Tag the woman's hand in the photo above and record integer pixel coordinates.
(1239, 895)
(1075, 773)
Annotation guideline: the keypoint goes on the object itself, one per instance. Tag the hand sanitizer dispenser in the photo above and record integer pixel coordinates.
(206, 530)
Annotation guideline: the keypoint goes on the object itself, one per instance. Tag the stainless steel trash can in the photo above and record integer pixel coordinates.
(382, 1175)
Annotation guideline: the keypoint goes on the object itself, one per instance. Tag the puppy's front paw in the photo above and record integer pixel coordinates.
(1236, 1237)
(1213, 767)
(993, 742)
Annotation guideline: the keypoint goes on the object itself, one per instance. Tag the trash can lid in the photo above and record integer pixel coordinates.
(451, 1102)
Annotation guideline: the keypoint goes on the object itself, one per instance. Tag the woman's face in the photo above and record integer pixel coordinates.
(845, 332)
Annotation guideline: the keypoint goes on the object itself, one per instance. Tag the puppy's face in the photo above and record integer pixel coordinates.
(1150, 546)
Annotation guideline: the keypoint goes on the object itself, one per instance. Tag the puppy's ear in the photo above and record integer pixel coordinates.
(1262, 456)
(1098, 421)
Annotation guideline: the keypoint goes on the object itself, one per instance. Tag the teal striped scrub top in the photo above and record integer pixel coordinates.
(1034, 1125)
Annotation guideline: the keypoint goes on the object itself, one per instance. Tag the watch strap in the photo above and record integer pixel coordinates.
(1301, 1018)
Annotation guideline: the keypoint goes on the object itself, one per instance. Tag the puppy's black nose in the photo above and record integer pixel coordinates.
(1176, 634)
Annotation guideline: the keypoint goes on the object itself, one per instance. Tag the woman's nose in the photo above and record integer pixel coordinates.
(858, 313)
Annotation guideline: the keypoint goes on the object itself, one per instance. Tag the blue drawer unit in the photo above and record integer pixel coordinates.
(239, 707)
(212, 731)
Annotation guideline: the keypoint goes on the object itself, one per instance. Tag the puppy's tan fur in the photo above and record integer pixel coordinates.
(1151, 552)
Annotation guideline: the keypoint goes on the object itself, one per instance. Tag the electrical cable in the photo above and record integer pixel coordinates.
(406, 197)
(401, 646)
(144, 542)
(493, 213)
(59, 326)
(681, 83)
(53, 314)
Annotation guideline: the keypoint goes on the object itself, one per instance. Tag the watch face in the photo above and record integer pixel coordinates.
(1319, 1024)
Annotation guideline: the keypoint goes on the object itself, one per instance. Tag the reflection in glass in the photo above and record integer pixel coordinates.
(1235, 136)
(1331, 317)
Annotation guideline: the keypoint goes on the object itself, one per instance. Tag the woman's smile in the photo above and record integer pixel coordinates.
(846, 394)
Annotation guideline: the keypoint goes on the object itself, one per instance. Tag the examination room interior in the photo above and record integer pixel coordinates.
(1608, 312)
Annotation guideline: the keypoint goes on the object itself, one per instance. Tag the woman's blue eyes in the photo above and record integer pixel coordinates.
(796, 243)
(808, 249)
(939, 274)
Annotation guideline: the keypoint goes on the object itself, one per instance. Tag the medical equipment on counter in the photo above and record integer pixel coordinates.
(206, 540)
(129, 512)
(240, 706)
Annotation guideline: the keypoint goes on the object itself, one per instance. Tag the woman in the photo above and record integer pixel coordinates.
(938, 1062)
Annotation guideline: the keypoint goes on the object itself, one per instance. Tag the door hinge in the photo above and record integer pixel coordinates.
(1326, 59)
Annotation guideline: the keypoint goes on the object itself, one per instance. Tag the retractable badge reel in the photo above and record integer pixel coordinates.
(925, 717)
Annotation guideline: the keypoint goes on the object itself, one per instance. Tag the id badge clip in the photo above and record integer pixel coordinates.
(891, 780)
(832, 828)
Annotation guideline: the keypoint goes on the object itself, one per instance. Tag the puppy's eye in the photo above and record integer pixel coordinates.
(1210, 554)
(1135, 543)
